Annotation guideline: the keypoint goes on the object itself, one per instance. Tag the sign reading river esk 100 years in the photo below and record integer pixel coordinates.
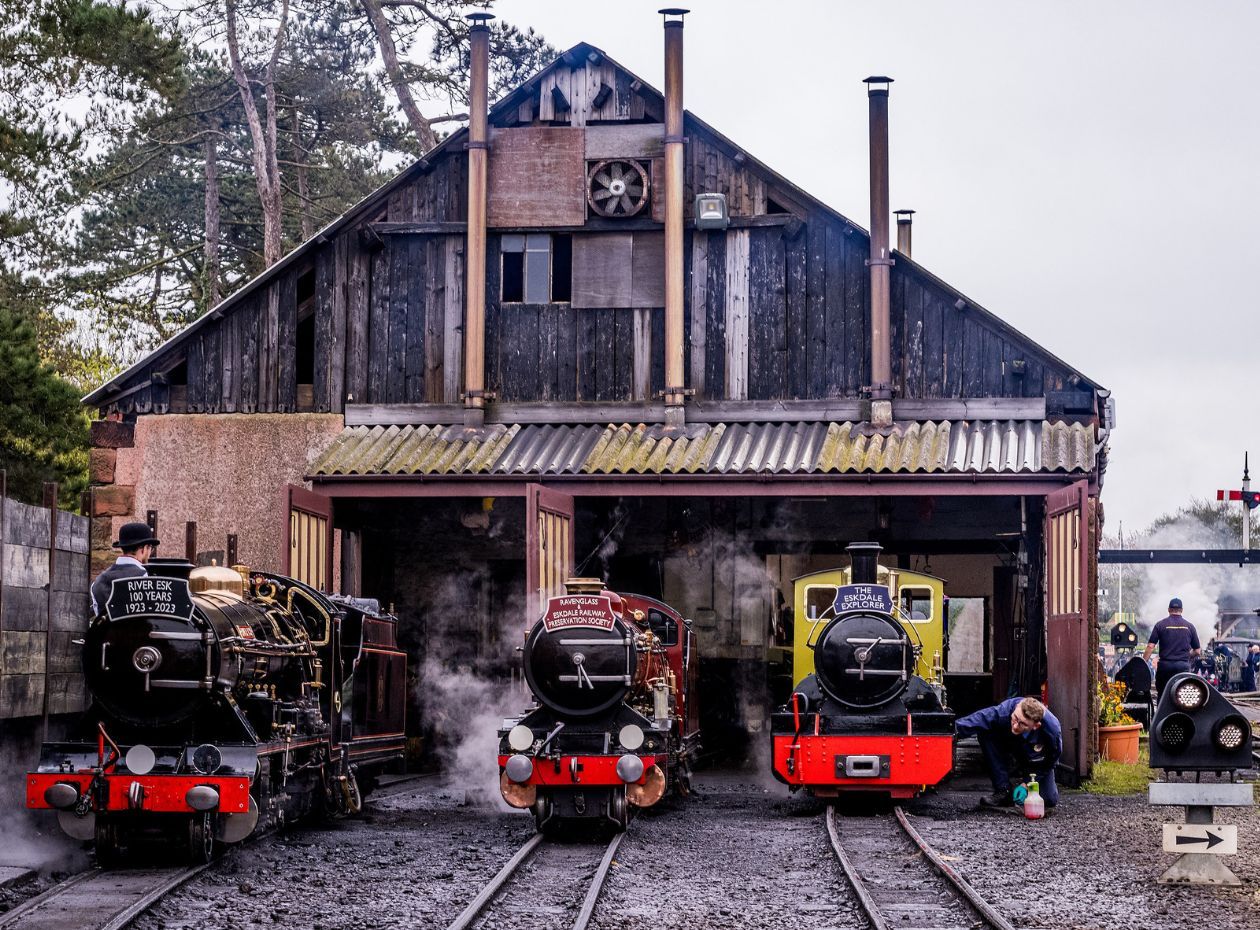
(149, 597)
(850, 597)
(579, 610)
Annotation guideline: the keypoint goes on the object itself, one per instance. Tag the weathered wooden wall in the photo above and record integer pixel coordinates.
(776, 305)
(41, 611)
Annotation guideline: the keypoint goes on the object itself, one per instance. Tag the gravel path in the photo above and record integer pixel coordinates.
(411, 860)
(1092, 865)
(740, 854)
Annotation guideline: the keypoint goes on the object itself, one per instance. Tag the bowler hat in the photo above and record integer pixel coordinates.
(1174, 604)
(134, 535)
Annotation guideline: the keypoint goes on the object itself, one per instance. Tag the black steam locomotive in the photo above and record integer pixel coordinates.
(224, 702)
(868, 710)
(615, 723)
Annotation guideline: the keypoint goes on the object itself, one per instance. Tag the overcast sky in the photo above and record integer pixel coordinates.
(1085, 170)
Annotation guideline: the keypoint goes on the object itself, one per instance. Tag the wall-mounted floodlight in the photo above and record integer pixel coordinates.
(711, 212)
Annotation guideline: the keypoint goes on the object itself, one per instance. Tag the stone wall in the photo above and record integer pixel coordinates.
(228, 473)
(43, 608)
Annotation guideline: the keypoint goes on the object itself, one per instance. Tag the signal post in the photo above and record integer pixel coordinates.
(1197, 730)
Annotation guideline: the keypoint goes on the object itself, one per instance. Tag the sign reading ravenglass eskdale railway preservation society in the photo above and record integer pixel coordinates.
(850, 597)
(147, 596)
(579, 610)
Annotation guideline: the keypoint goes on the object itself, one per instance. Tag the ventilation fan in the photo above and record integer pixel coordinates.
(617, 187)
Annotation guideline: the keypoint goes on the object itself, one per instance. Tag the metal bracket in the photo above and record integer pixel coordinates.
(880, 261)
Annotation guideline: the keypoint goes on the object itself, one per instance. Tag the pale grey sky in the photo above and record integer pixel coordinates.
(1086, 170)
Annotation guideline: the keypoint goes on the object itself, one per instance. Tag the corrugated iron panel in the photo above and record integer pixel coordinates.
(979, 447)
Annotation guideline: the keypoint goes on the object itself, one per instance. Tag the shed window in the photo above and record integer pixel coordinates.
(537, 268)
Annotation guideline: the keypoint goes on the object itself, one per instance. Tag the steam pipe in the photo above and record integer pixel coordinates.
(880, 260)
(475, 257)
(675, 388)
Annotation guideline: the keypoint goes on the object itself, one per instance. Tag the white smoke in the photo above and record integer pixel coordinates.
(1200, 586)
(460, 688)
(32, 839)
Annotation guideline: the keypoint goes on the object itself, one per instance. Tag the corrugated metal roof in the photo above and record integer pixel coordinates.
(944, 447)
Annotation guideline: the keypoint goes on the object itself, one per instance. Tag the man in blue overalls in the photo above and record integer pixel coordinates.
(1019, 738)
(1178, 643)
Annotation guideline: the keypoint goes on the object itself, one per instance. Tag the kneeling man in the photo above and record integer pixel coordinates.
(1019, 738)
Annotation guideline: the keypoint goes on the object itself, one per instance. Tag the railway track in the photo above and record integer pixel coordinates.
(900, 880)
(550, 883)
(97, 900)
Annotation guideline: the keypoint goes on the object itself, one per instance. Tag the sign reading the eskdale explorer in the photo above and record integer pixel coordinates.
(569, 610)
(148, 596)
(850, 597)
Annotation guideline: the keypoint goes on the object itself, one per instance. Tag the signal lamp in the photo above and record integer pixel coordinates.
(1190, 693)
(1231, 732)
(1197, 730)
(1175, 732)
(1251, 499)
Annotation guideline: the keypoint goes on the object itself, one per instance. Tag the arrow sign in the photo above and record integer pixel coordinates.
(1220, 839)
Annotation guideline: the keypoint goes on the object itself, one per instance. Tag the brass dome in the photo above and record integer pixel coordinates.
(217, 578)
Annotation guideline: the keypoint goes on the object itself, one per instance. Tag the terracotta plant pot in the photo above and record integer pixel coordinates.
(1119, 743)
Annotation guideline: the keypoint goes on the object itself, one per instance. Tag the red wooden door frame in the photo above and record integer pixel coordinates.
(1067, 619)
(539, 501)
(299, 498)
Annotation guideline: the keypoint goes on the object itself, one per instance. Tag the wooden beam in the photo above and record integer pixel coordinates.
(835, 410)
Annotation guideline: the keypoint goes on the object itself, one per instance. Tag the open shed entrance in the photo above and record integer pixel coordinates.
(465, 574)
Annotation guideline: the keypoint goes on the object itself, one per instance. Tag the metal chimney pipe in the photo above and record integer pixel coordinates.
(905, 221)
(880, 260)
(475, 254)
(675, 387)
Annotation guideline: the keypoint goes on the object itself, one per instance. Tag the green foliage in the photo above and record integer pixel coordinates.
(43, 429)
(1117, 778)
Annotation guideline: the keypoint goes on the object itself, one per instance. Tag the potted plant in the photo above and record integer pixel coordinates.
(1117, 731)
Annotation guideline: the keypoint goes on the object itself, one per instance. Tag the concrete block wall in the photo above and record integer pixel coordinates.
(228, 473)
(43, 608)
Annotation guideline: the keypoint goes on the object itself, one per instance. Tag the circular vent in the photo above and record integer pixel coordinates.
(617, 187)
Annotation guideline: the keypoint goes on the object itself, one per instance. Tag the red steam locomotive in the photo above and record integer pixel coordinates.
(615, 720)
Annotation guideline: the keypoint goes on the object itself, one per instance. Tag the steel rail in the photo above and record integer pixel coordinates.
(475, 907)
(872, 910)
(597, 884)
(878, 921)
(9, 918)
(151, 897)
(473, 912)
(951, 875)
(115, 917)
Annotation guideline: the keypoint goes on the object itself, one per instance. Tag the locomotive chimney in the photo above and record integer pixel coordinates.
(880, 260)
(864, 557)
(905, 222)
(475, 254)
(675, 391)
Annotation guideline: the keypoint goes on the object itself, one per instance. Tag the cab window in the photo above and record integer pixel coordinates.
(819, 600)
(663, 627)
(916, 604)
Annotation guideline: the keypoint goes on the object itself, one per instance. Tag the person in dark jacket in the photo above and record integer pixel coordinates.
(138, 545)
(1250, 665)
(1019, 738)
(1178, 643)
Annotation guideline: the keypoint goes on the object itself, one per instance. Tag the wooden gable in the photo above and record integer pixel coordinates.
(371, 309)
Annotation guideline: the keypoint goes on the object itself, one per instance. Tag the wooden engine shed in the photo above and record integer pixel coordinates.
(362, 416)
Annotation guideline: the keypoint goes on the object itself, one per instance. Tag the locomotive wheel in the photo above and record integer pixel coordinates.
(109, 851)
(201, 838)
(618, 809)
(354, 800)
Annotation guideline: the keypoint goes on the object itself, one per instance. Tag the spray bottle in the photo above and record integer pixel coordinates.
(1034, 805)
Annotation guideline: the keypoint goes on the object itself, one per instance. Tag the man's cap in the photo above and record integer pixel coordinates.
(133, 535)
(1175, 603)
